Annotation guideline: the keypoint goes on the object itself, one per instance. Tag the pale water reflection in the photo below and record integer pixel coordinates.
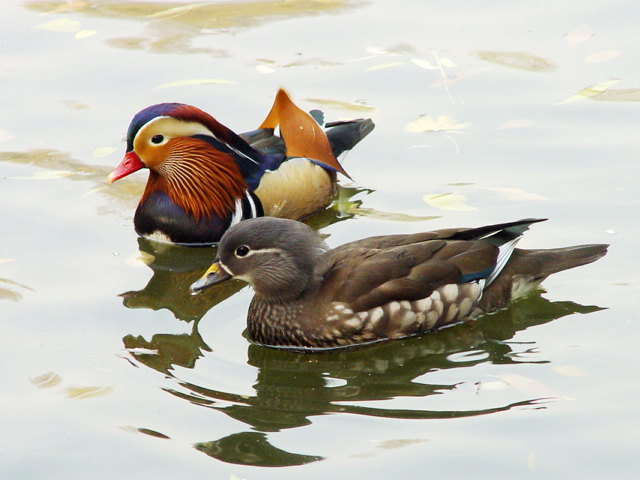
(10, 290)
(484, 112)
(292, 388)
(173, 27)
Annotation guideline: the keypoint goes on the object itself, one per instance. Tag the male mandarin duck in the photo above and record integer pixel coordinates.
(204, 178)
(310, 297)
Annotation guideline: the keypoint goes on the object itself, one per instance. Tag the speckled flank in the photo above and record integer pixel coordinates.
(448, 304)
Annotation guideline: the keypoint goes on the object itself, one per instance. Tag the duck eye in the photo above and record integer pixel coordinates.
(242, 251)
(157, 139)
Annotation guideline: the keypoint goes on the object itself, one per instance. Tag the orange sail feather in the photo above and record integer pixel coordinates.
(302, 135)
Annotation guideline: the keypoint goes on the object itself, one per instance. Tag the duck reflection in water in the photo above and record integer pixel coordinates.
(291, 388)
(175, 268)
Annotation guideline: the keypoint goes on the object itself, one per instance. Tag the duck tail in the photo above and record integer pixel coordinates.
(544, 262)
(527, 268)
(343, 136)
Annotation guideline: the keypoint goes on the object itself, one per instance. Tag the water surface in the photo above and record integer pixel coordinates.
(485, 112)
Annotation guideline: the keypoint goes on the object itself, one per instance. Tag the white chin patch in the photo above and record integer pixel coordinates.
(160, 237)
(244, 278)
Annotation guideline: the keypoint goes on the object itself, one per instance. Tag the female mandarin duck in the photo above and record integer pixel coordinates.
(310, 297)
(203, 177)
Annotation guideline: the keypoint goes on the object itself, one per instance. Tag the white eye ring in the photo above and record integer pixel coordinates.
(242, 251)
(158, 139)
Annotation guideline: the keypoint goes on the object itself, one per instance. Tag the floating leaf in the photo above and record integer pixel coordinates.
(265, 69)
(153, 433)
(351, 106)
(521, 123)
(519, 60)
(381, 215)
(61, 25)
(84, 34)
(81, 393)
(48, 175)
(619, 95)
(602, 56)
(516, 194)
(399, 443)
(579, 35)
(385, 66)
(426, 123)
(448, 201)
(10, 294)
(591, 91)
(345, 205)
(74, 105)
(314, 61)
(426, 64)
(377, 51)
(101, 152)
(46, 380)
(196, 81)
(447, 62)
(570, 371)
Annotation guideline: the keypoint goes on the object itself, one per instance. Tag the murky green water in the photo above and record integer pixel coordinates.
(525, 109)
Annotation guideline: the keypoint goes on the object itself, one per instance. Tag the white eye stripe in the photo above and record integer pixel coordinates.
(260, 250)
(225, 268)
(181, 128)
(164, 124)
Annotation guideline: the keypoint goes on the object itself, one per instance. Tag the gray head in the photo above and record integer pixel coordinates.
(275, 255)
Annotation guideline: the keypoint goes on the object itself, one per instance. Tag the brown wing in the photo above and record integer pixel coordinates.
(391, 241)
(369, 277)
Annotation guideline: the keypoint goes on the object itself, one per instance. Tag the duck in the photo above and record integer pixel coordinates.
(308, 296)
(205, 178)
